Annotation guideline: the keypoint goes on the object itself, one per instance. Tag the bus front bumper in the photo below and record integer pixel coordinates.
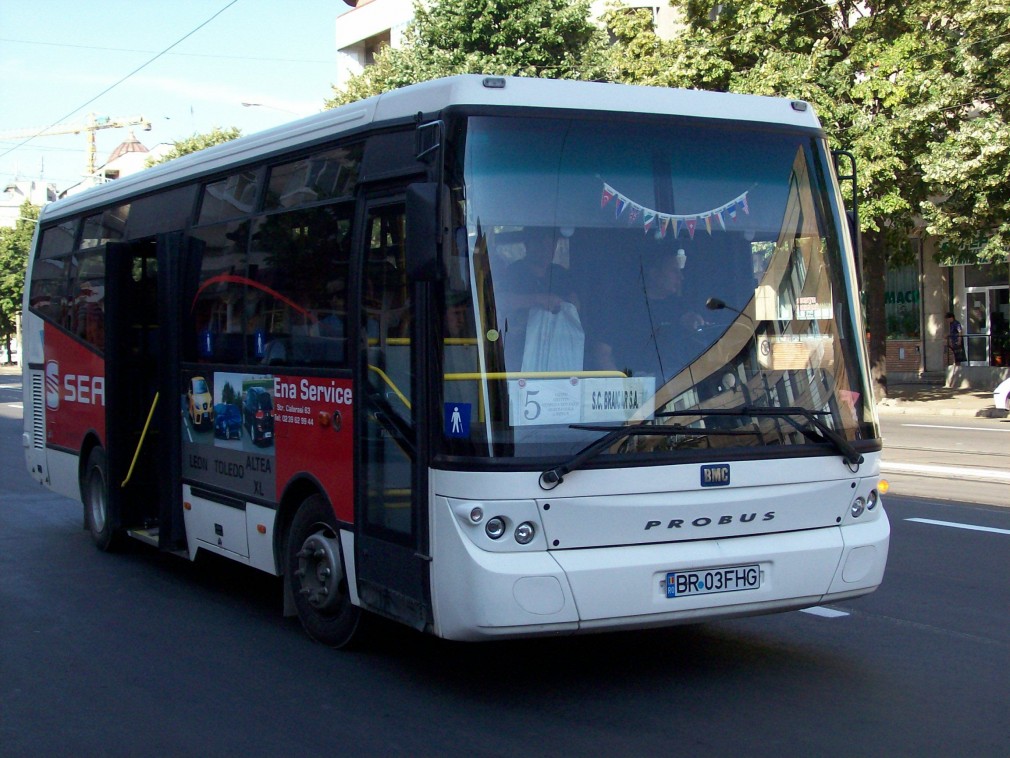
(483, 595)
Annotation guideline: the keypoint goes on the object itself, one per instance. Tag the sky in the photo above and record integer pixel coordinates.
(58, 57)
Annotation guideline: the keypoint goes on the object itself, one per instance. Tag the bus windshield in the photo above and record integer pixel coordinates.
(664, 273)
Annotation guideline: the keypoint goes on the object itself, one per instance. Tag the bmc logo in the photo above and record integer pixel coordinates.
(53, 386)
(715, 475)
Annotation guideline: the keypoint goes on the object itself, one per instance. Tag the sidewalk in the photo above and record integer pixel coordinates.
(937, 400)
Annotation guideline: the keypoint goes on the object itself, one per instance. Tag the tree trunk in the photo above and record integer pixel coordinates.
(874, 282)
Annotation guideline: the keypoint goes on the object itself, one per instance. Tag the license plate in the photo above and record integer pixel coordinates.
(709, 581)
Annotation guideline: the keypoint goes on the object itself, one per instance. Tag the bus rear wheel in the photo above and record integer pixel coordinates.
(316, 577)
(95, 495)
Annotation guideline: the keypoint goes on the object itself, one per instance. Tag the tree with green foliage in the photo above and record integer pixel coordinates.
(192, 144)
(968, 168)
(638, 55)
(888, 82)
(540, 38)
(14, 247)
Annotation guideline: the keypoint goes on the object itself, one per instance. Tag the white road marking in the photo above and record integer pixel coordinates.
(962, 428)
(828, 613)
(957, 472)
(972, 527)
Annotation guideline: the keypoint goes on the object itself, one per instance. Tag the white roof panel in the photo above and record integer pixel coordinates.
(434, 96)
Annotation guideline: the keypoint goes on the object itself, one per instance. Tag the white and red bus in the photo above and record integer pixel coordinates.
(488, 356)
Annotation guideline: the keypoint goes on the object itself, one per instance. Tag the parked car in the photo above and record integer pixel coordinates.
(200, 403)
(227, 421)
(1001, 396)
(258, 415)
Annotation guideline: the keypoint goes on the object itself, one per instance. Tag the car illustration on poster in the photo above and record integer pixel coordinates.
(199, 402)
(258, 415)
(227, 421)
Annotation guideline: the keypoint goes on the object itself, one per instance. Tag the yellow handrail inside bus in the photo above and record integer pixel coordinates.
(471, 375)
(390, 383)
(140, 443)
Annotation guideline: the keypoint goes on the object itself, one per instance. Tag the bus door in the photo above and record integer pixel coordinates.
(391, 546)
(142, 401)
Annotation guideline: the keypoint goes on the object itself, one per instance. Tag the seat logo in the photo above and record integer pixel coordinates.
(715, 475)
(53, 386)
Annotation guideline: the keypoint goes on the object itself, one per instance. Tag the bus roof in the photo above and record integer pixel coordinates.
(433, 97)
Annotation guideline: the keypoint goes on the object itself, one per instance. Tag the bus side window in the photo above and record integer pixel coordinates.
(298, 267)
(217, 308)
(386, 310)
(87, 301)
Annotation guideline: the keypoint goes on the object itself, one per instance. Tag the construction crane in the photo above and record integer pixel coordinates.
(91, 125)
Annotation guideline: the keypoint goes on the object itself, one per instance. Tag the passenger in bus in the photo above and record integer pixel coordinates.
(530, 288)
(653, 335)
(331, 316)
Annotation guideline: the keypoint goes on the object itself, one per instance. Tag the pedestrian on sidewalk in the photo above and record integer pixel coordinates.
(955, 340)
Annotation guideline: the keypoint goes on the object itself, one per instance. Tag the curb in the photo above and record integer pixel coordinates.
(918, 410)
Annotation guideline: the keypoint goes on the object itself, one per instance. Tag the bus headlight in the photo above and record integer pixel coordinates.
(872, 499)
(495, 527)
(525, 533)
(858, 506)
(476, 514)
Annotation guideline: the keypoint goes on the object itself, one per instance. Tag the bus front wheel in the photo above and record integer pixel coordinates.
(95, 494)
(316, 577)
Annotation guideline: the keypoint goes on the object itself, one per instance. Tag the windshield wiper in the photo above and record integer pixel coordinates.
(552, 477)
(842, 445)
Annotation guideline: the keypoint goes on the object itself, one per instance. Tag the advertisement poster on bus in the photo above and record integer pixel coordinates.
(244, 432)
(228, 432)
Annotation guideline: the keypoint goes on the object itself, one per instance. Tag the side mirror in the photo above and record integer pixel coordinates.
(422, 232)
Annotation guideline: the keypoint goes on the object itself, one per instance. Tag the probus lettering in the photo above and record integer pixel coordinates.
(80, 388)
(703, 521)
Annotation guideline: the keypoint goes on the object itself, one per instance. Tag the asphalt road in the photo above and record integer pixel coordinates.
(144, 654)
(948, 457)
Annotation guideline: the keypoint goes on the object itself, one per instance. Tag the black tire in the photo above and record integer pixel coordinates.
(95, 496)
(316, 576)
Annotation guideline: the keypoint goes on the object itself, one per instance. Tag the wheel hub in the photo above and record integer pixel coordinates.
(320, 572)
